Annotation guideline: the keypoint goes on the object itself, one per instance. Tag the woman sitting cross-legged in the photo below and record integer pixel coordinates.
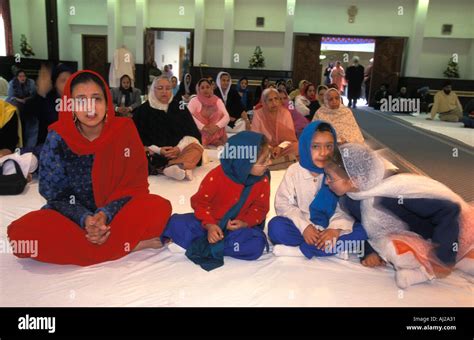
(227, 222)
(168, 132)
(210, 114)
(275, 122)
(93, 175)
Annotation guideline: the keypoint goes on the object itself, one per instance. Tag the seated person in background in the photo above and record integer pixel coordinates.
(446, 104)
(307, 102)
(274, 121)
(300, 90)
(321, 92)
(3, 87)
(403, 93)
(468, 118)
(210, 114)
(426, 236)
(281, 85)
(153, 72)
(126, 98)
(20, 89)
(186, 89)
(245, 95)
(299, 121)
(265, 83)
(98, 205)
(289, 86)
(308, 217)
(174, 85)
(227, 222)
(381, 93)
(42, 110)
(10, 128)
(340, 117)
(239, 120)
(168, 132)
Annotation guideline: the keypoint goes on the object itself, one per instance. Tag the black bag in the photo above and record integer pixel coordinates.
(12, 184)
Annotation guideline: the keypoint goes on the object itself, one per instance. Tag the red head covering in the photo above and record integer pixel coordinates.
(120, 167)
(305, 92)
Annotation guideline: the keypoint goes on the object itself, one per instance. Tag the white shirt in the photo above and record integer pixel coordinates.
(295, 194)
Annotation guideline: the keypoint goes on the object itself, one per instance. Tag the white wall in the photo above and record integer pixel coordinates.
(213, 49)
(270, 42)
(167, 50)
(436, 53)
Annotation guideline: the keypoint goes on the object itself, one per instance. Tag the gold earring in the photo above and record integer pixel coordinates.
(74, 117)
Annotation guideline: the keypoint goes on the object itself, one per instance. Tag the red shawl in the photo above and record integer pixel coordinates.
(120, 165)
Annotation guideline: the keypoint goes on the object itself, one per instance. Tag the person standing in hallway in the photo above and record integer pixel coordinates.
(354, 77)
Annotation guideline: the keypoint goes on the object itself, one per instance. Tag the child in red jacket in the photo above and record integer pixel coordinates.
(230, 206)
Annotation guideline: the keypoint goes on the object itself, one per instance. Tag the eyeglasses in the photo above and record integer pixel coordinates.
(161, 88)
(330, 180)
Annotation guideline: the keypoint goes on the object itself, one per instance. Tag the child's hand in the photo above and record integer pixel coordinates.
(311, 234)
(236, 224)
(327, 239)
(373, 260)
(214, 233)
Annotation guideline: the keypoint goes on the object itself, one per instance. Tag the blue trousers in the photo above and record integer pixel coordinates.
(243, 243)
(282, 230)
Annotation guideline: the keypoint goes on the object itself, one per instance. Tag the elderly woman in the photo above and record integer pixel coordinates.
(126, 98)
(168, 132)
(93, 175)
(274, 121)
(340, 117)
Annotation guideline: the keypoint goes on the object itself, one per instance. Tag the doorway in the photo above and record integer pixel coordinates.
(312, 53)
(94, 54)
(169, 47)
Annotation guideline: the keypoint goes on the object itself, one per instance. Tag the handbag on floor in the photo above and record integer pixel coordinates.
(13, 184)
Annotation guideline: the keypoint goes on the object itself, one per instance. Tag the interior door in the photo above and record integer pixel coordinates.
(306, 64)
(387, 63)
(94, 54)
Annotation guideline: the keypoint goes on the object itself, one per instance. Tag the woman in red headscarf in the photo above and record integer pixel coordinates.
(93, 175)
(307, 102)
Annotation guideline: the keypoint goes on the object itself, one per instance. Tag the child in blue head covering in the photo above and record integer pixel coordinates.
(309, 220)
(229, 208)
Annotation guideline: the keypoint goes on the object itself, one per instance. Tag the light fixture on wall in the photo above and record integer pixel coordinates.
(447, 29)
(352, 12)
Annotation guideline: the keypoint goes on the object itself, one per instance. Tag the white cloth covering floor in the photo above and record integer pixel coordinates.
(160, 278)
(453, 130)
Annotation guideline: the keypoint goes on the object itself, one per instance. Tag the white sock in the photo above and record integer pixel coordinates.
(175, 172)
(189, 174)
(466, 265)
(406, 260)
(408, 277)
(282, 250)
(176, 249)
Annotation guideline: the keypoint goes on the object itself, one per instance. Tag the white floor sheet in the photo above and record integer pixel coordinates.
(160, 278)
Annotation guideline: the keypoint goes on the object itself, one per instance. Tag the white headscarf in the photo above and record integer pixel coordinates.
(219, 86)
(366, 170)
(154, 102)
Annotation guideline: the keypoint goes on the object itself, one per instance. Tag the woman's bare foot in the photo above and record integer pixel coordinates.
(373, 260)
(154, 243)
